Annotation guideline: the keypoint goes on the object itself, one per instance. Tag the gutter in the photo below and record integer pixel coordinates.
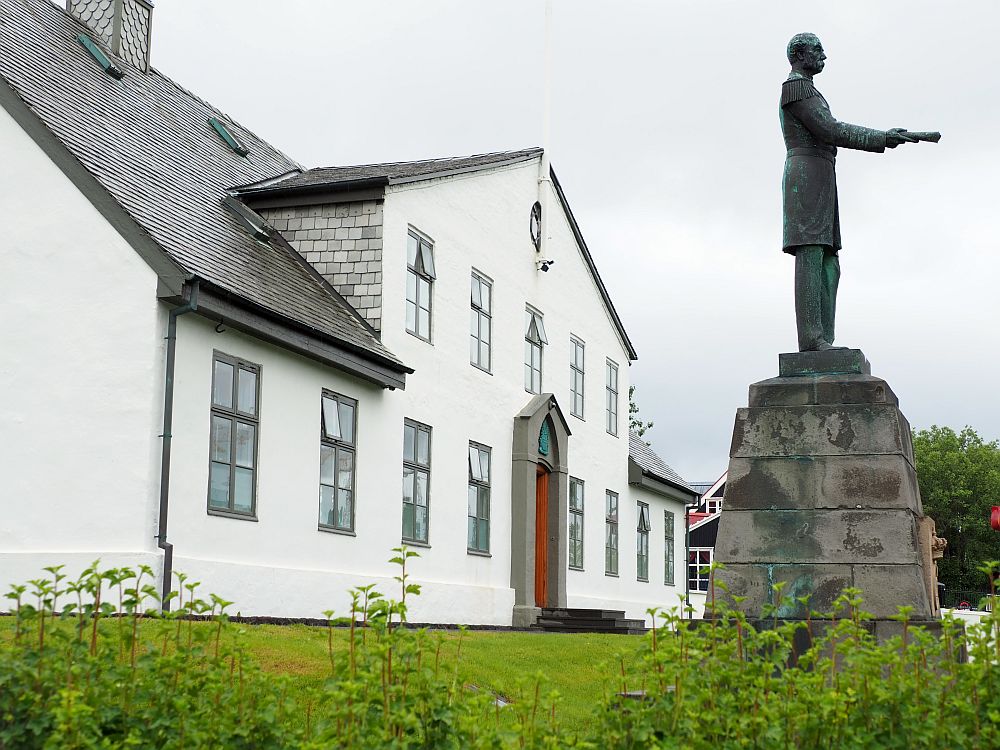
(168, 421)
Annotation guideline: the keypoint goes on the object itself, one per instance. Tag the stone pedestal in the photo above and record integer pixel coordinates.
(822, 493)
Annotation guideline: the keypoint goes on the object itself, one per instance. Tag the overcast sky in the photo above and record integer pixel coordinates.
(665, 136)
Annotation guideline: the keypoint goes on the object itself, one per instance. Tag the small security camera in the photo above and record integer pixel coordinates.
(545, 264)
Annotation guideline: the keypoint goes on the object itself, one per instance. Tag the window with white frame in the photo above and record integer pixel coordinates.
(642, 543)
(576, 352)
(232, 473)
(337, 461)
(419, 279)
(668, 548)
(534, 340)
(479, 498)
(610, 533)
(575, 524)
(699, 562)
(612, 397)
(481, 322)
(416, 481)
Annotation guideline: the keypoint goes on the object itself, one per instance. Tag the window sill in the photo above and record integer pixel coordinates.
(418, 336)
(642, 580)
(572, 567)
(232, 514)
(415, 543)
(481, 369)
(610, 575)
(578, 416)
(478, 553)
(612, 434)
(335, 530)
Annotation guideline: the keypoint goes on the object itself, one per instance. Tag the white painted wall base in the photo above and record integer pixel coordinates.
(20, 567)
(300, 592)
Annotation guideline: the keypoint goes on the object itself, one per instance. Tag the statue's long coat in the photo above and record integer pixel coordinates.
(809, 189)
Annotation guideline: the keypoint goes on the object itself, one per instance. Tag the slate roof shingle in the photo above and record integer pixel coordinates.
(396, 172)
(149, 143)
(652, 464)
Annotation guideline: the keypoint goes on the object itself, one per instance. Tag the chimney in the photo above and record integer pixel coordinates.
(124, 25)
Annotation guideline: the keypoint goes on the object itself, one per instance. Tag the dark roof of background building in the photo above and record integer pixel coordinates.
(701, 487)
(652, 464)
(149, 143)
(394, 172)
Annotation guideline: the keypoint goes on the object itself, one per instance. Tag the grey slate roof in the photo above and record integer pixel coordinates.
(396, 172)
(652, 464)
(148, 142)
(701, 487)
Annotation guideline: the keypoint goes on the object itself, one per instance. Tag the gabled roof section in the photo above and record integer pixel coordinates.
(391, 173)
(152, 152)
(378, 176)
(652, 465)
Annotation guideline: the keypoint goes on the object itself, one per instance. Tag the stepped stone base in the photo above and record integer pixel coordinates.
(822, 493)
(568, 620)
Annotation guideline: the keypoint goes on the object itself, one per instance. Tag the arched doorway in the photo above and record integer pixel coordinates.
(539, 515)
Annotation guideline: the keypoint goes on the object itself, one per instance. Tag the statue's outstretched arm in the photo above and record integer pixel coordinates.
(816, 116)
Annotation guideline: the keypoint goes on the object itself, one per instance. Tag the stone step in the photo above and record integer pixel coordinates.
(580, 612)
(589, 623)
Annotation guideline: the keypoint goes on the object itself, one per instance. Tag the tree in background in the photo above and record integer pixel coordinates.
(635, 424)
(959, 477)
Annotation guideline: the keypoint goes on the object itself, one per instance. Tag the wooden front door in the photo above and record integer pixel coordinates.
(541, 537)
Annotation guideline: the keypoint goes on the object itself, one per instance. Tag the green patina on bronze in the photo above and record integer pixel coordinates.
(811, 226)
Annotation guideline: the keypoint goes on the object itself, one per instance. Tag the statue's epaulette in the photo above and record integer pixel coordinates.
(796, 89)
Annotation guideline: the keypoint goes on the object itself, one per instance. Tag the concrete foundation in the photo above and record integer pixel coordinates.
(822, 494)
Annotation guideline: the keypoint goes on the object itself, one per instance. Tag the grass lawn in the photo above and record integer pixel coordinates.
(580, 667)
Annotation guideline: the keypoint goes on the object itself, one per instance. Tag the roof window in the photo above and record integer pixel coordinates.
(102, 59)
(234, 143)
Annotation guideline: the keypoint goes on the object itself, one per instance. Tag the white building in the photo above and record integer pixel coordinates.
(224, 363)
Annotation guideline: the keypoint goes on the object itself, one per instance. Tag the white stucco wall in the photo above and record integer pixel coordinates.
(80, 377)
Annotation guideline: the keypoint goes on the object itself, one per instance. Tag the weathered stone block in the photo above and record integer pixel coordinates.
(887, 587)
(817, 536)
(821, 389)
(820, 430)
(807, 482)
(832, 362)
(822, 583)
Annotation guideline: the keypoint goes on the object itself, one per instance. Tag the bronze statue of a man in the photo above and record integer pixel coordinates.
(811, 216)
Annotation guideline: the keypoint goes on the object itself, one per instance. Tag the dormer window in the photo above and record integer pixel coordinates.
(534, 340)
(419, 278)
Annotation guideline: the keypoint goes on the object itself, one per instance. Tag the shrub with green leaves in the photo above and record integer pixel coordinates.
(95, 662)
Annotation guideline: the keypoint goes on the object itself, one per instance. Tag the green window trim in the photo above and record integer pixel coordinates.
(420, 275)
(481, 323)
(668, 549)
(576, 493)
(478, 530)
(577, 350)
(234, 436)
(416, 482)
(338, 462)
(534, 341)
(611, 389)
(610, 533)
(642, 543)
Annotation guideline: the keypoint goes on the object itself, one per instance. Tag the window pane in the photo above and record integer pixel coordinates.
(541, 330)
(484, 502)
(487, 292)
(244, 444)
(424, 293)
(420, 494)
(427, 258)
(484, 461)
(409, 438)
(423, 447)
(326, 516)
(475, 468)
(420, 523)
(222, 390)
(345, 508)
(484, 355)
(412, 243)
(247, 396)
(473, 500)
(473, 524)
(527, 377)
(474, 349)
(411, 286)
(423, 323)
(407, 485)
(407, 521)
(477, 294)
(326, 457)
(331, 418)
(346, 421)
(345, 470)
(484, 328)
(411, 317)
(222, 437)
(243, 490)
(484, 535)
(218, 486)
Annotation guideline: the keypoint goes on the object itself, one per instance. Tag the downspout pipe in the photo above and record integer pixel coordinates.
(168, 421)
(687, 559)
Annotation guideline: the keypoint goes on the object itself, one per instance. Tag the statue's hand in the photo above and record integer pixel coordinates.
(895, 136)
